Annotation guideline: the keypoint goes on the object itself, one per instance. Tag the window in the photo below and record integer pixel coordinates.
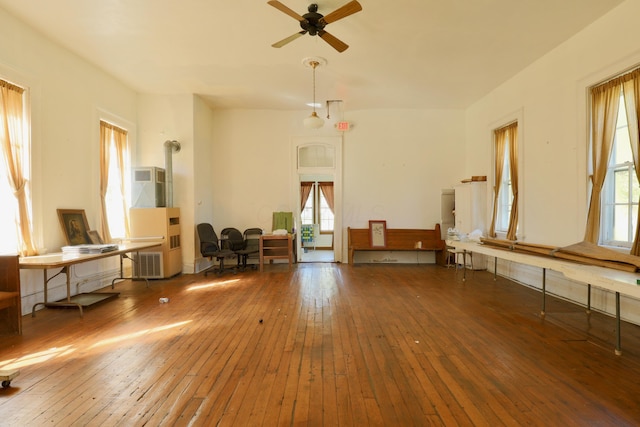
(317, 209)
(8, 214)
(116, 193)
(505, 197)
(326, 215)
(621, 189)
(15, 225)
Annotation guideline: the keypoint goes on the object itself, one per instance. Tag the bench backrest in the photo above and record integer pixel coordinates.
(398, 238)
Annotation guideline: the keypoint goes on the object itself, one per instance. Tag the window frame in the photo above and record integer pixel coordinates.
(609, 201)
(516, 116)
(317, 217)
(27, 172)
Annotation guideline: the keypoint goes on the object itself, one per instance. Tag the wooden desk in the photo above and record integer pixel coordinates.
(65, 262)
(620, 282)
(276, 247)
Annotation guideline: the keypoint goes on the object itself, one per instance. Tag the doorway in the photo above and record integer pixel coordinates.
(317, 171)
(317, 220)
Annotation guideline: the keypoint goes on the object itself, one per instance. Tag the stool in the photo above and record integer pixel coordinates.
(455, 253)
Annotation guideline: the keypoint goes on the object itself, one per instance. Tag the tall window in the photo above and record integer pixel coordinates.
(115, 186)
(621, 190)
(505, 196)
(15, 172)
(612, 218)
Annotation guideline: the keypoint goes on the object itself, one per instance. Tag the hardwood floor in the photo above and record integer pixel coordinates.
(323, 344)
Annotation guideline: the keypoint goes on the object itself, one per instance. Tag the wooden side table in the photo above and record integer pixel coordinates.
(276, 247)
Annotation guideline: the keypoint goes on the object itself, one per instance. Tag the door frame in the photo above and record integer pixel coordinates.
(335, 172)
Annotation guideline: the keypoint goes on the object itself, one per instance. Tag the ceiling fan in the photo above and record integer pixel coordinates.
(313, 22)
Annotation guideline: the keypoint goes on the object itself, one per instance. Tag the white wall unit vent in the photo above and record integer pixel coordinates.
(148, 265)
(148, 187)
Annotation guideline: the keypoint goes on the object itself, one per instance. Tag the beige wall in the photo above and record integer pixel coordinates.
(551, 97)
(395, 164)
(68, 97)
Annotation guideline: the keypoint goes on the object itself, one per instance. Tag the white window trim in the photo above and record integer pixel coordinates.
(515, 116)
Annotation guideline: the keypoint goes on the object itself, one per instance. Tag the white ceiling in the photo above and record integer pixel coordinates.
(403, 53)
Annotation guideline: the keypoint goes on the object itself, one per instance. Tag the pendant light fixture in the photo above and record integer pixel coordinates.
(314, 121)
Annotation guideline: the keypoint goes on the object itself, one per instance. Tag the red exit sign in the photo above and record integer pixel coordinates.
(343, 126)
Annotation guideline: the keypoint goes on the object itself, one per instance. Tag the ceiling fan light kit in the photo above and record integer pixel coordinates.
(313, 23)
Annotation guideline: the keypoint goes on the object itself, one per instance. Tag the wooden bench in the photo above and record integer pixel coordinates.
(400, 239)
(10, 304)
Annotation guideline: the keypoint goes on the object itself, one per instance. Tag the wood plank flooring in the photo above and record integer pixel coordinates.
(323, 344)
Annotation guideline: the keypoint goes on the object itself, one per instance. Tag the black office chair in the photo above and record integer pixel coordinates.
(252, 245)
(234, 241)
(210, 247)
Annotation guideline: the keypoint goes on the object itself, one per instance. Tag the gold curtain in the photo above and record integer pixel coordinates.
(631, 90)
(305, 190)
(327, 191)
(604, 105)
(122, 152)
(13, 146)
(512, 133)
(108, 133)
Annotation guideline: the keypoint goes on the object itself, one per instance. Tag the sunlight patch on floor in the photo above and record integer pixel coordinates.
(35, 358)
(212, 285)
(138, 334)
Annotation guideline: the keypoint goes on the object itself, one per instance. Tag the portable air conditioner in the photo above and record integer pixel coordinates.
(148, 187)
(148, 265)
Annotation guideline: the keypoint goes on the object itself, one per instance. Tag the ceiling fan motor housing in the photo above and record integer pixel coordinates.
(313, 20)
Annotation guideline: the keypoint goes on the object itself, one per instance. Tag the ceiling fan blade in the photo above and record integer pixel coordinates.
(342, 12)
(282, 8)
(337, 44)
(289, 39)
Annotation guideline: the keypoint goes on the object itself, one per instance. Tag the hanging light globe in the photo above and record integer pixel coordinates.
(313, 121)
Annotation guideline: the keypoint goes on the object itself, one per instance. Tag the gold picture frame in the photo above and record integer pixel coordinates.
(378, 233)
(95, 238)
(74, 226)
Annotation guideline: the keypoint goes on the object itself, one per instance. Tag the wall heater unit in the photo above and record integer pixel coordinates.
(148, 265)
(148, 187)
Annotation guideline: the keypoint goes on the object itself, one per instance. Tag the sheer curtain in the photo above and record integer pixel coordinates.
(504, 135)
(112, 137)
(14, 147)
(604, 106)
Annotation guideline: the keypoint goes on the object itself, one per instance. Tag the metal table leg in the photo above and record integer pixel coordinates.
(618, 350)
(464, 265)
(544, 291)
(68, 303)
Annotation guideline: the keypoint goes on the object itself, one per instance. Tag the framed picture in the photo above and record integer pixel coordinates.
(74, 226)
(95, 238)
(378, 234)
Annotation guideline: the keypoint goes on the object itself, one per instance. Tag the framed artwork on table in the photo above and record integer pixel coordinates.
(378, 233)
(74, 226)
(95, 238)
